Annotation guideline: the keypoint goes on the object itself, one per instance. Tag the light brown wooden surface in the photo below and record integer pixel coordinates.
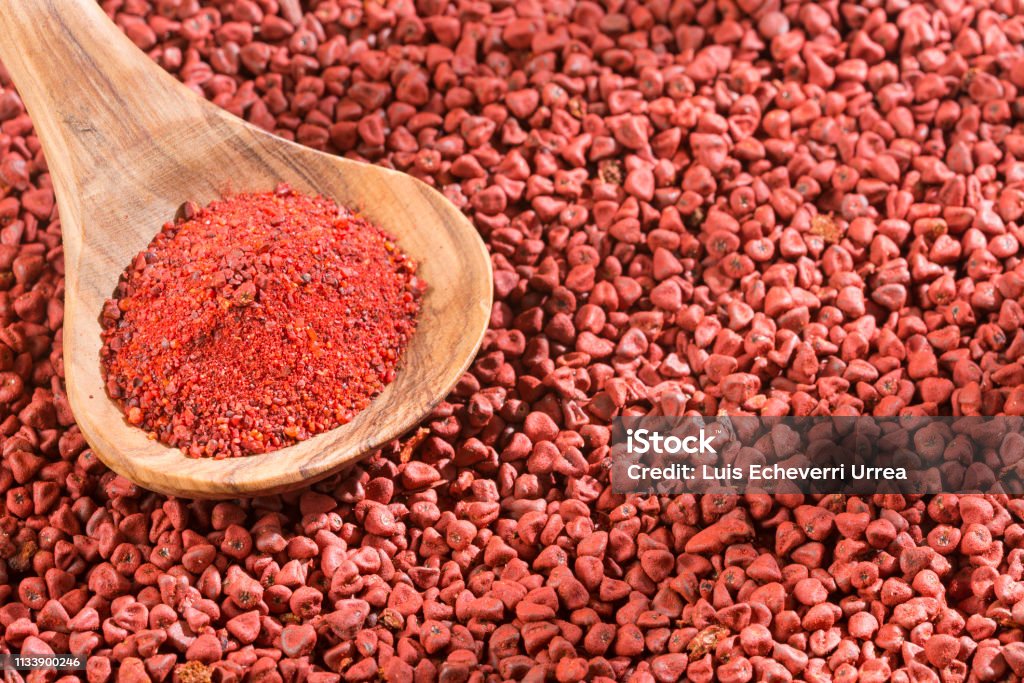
(126, 145)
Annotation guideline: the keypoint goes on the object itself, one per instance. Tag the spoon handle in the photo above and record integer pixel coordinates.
(96, 100)
(90, 91)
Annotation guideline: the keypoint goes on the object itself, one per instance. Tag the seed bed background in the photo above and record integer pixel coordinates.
(798, 208)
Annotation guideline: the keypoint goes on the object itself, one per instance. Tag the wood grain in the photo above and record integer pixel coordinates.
(126, 145)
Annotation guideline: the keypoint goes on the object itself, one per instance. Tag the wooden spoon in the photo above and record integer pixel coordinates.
(127, 145)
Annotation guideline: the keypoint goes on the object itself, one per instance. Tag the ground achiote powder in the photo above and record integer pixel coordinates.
(257, 322)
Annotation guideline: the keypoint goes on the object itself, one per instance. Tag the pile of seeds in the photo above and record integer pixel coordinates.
(799, 208)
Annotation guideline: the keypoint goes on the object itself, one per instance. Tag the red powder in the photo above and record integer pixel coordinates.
(256, 323)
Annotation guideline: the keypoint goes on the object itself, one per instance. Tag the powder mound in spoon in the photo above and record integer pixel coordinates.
(257, 322)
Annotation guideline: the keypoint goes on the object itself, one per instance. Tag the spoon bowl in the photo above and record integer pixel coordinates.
(127, 145)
